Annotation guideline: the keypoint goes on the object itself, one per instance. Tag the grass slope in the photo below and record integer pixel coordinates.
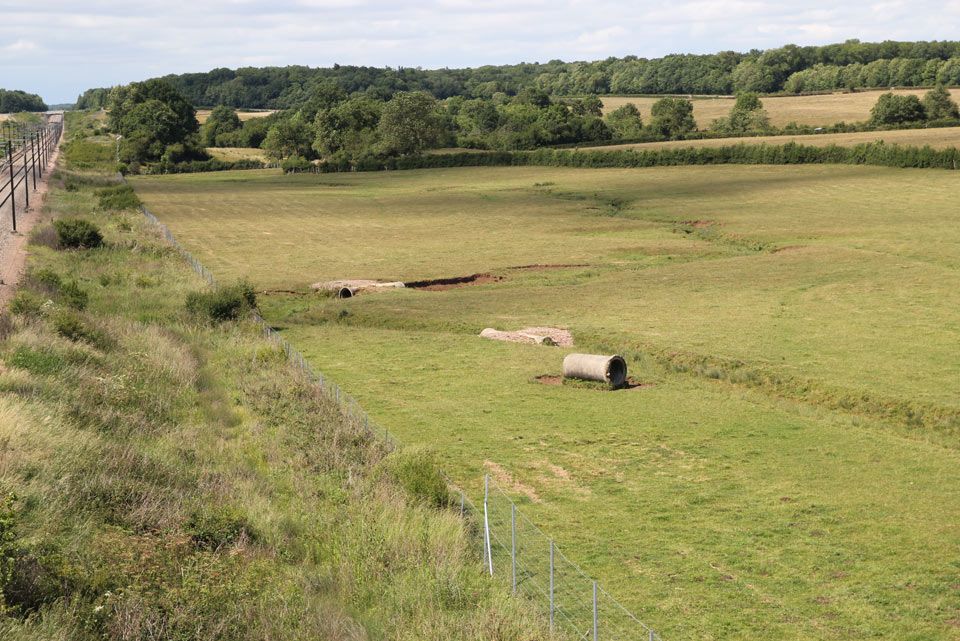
(172, 479)
(815, 110)
(777, 476)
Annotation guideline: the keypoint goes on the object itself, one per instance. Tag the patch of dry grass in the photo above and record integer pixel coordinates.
(816, 111)
(237, 153)
(939, 138)
(203, 114)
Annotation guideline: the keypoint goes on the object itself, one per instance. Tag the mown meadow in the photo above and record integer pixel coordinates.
(786, 464)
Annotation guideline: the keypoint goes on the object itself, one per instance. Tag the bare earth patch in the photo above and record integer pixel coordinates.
(441, 284)
(505, 479)
(556, 379)
(534, 335)
(539, 267)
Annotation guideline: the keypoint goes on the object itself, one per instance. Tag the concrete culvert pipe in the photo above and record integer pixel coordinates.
(596, 367)
(345, 292)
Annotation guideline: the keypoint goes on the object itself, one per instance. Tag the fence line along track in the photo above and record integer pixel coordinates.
(515, 549)
(26, 151)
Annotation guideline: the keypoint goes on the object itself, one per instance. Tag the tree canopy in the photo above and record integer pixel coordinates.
(152, 116)
(851, 64)
(13, 101)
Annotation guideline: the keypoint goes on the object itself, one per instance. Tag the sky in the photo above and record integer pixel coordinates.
(59, 49)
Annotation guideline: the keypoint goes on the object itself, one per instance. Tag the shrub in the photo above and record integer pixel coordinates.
(416, 471)
(218, 527)
(295, 164)
(26, 303)
(72, 327)
(222, 303)
(7, 544)
(118, 197)
(73, 296)
(77, 233)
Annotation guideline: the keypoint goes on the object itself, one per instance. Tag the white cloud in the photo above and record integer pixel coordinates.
(101, 42)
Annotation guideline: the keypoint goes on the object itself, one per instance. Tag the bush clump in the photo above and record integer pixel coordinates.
(46, 282)
(218, 527)
(416, 471)
(295, 164)
(118, 198)
(223, 303)
(77, 233)
(72, 327)
(26, 303)
(73, 296)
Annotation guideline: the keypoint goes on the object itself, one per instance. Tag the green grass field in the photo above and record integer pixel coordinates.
(788, 469)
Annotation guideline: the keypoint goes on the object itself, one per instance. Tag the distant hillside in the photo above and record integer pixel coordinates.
(791, 68)
(13, 101)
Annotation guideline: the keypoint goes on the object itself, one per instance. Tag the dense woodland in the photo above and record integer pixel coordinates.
(849, 65)
(14, 101)
(355, 116)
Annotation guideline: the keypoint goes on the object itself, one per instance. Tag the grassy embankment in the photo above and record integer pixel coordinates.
(788, 468)
(171, 478)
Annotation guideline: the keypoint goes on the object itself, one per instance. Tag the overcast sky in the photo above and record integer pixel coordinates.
(58, 49)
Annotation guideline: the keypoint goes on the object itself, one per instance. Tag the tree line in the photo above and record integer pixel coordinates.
(14, 101)
(157, 123)
(852, 64)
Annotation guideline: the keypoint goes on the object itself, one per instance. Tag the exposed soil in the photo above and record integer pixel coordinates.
(441, 284)
(699, 224)
(505, 480)
(536, 335)
(542, 267)
(788, 249)
(555, 379)
(549, 379)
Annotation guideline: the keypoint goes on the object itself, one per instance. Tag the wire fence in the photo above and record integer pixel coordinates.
(25, 152)
(514, 549)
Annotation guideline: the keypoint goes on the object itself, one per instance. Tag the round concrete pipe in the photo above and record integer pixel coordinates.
(345, 292)
(596, 367)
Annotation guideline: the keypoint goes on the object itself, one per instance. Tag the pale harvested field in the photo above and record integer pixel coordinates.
(817, 111)
(203, 114)
(936, 138)
(236, 153)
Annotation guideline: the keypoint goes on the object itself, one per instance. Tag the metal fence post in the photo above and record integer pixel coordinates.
(462, 501)
(26, 178)
(551, 586)
(596, 627)
(513, 545)
(486, 523)
(13, 187)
